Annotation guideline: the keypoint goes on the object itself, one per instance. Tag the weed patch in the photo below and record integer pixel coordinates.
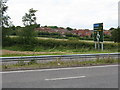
(52, 45)
(58, 63)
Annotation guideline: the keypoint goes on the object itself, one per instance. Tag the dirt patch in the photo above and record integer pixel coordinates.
(9, 52)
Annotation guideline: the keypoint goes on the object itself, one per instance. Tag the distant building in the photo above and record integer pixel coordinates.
(63, 31)
(51, 30)
(83, 32)
(107, 32)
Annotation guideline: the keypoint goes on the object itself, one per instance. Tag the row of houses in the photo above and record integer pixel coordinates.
(62, 31)
(51, 30)
(83, 33)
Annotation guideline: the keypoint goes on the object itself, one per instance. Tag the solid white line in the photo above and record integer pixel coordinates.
(64, 78)
(56, 69)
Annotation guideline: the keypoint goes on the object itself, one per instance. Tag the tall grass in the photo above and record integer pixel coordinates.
(33, 64)
(54, 45)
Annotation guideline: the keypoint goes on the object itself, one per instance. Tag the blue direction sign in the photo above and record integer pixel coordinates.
(98, 32)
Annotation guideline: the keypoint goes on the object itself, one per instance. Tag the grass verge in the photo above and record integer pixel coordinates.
(33, 64)
(11, 53)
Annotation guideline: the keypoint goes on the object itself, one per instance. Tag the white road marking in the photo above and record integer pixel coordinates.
(64, 78)
(56, 69)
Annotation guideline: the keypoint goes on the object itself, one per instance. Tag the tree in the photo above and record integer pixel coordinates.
(61, 28)
(54, 27)
(5, 19)
(27, 34)
(111, 28)
(68, 28)
(29, 18)
(5, 22)
(115, 35)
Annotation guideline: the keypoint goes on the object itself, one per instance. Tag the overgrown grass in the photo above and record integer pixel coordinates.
(58, 63)
(47, 44)
(60, 52)
(14, 55)
(53, 45)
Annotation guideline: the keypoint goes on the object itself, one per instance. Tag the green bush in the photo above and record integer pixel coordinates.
(5, 66)
(32, 62)
(109, 60)
(47, 44)
(21, 63)
(7, 42)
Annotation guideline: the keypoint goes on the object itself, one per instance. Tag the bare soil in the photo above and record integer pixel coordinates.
(10, 52)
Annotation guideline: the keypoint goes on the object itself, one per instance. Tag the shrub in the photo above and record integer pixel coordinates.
(46, 44)
(109, 60)
(5, 66)
(21, 63)
(32, 62)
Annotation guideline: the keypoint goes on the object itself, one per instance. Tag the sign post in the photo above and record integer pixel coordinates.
(98, 35)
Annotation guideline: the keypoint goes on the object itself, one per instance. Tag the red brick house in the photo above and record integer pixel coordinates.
(107, 32)
(51, 30)
(62, 31)
(83, 33)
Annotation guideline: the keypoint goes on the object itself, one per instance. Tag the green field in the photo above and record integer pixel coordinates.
(48, 46)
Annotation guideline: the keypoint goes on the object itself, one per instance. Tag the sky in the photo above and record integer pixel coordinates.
(119, 14)
(79, 14)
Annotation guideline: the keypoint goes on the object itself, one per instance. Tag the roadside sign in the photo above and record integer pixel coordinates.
(98, 35)
(98, 30)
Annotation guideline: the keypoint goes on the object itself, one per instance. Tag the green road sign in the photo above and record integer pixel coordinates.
(98, 32)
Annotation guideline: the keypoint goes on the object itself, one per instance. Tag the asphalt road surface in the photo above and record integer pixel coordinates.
(75, 77)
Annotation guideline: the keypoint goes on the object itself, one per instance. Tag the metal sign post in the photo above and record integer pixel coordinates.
(102, 46)
(95, 45)
(98, 35)
(98, 39)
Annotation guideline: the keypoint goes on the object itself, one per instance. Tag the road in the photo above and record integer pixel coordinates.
(75, 77)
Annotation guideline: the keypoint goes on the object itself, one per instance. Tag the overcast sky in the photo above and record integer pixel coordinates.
(79, 14)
